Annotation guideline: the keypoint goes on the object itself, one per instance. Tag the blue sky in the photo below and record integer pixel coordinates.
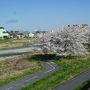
(43, 14)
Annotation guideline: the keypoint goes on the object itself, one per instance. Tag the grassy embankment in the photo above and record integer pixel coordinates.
(84, 86)
(15, 67)
(71, 67)
(16, 43)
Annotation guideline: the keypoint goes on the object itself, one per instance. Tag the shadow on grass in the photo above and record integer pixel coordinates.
(87, 86)
(43, 57)
(84, 86)
(48, 57)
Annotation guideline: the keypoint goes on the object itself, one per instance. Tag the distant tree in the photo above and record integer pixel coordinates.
(65, 41)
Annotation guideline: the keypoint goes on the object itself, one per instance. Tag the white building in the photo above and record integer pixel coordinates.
(31, 34)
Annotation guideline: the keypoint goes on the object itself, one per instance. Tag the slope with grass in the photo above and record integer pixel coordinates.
(17, 43)
(71, 67)
(50, 68)
(15, 67)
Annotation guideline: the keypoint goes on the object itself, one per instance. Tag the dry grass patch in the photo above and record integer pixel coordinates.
(17, 65)
(16, 43)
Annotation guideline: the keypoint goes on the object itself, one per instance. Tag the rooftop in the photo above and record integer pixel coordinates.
(2, 28)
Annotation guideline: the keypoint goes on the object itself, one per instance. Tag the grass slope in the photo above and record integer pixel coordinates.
(16, 43)
(71, 67)
(16, 67)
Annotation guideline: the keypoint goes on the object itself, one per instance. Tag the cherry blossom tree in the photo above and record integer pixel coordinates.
(65, 41)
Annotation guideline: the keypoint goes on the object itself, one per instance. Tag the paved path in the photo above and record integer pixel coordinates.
(20, 83)
(50, 67)
(19, 50)
(74, 82)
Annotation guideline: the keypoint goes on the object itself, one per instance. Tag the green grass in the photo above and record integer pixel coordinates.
(71, 67)
(5, 40)
(36, 58)
(83, 85)
(37, 69)
(11, 43)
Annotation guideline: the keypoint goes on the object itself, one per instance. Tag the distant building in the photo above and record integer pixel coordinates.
(40, 32)
(3, 33)
(31, 34)
(21, 34)
(84, 27)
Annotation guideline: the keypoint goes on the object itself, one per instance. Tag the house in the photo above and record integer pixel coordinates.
(17, 34)
(21, 34)
(13, 34)
(40, 33)
(3, 33)
(31, 34)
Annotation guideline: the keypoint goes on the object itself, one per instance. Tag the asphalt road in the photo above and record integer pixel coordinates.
(74, 82)
(20, 50)
(20, 83)
(50, 67)
(11, 54)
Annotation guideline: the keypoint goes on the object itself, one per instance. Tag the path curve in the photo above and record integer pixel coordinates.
(50, 68)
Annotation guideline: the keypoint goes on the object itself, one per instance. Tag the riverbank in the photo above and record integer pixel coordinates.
(17, 43)
(15, 67)
(72, 66)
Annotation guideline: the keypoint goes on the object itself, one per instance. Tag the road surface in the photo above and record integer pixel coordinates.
(74, 82)
(50, 68)
(20, 83)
